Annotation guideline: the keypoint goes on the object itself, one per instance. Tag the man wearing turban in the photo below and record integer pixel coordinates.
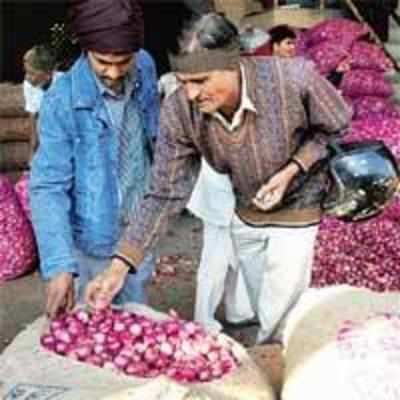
(97, 126)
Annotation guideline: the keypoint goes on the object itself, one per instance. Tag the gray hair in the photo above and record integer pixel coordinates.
(211, 31)
(41, 57)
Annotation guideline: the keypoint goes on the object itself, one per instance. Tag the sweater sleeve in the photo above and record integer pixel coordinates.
(174, 173)
(328, 116)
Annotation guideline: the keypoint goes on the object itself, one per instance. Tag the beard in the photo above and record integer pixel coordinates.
(115, 85)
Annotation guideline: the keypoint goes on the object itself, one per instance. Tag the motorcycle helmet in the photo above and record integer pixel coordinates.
(365, 178)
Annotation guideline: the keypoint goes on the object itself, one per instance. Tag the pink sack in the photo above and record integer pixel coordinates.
(369, 56)
(374, 107)
(22, 190)
(327, 55)
(301, 43)
(365, 82)
(17, 244)
(334, 29)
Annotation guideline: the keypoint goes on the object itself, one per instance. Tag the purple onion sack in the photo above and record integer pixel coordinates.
(366, 55)
(356, 83)
(302, 43)
(17, 245)
(335, 29)
(328, 55)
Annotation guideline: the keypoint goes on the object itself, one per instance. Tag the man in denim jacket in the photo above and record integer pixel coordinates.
(97, 127)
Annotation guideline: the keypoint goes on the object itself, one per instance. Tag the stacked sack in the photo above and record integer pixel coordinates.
(18, 253)
(17, 244)
(329, 42)
(364, 254)
(15, 131)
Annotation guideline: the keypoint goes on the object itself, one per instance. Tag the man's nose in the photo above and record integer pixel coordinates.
(192, 91)
(114, 73)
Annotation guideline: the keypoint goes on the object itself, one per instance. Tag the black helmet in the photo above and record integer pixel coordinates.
(365, 178)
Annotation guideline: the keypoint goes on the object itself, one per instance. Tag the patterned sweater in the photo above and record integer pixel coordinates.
(290, 96)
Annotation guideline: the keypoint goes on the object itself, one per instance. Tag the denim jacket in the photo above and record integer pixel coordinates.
(73, 187)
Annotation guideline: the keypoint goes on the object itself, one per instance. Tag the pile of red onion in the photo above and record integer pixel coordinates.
(364, 254)
(139, 346)
(387, 130)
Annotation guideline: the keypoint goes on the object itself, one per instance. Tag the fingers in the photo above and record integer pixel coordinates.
(70, 300)
(56, 301)
(266, 198)
(92, 292)
(101, 291)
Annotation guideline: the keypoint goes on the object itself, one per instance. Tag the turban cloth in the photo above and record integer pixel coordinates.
(107, 25)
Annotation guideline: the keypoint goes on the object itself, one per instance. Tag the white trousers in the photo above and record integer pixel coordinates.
(276, 264)
(218, 273)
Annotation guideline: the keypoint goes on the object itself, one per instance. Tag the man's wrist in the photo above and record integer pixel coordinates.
(122, 265)
(293, 168)
(298, 164)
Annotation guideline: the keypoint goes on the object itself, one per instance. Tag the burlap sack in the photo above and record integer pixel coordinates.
(27, 369)
(343, 343)
(16, 129)
(160, 389)
(11, 101)
(14, 156)
(269, 359)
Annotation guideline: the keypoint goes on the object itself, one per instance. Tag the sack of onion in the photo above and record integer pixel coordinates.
(343, 343)
(94, 355)
(17, 244)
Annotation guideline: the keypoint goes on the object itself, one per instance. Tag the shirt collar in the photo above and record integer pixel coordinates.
(245, 104)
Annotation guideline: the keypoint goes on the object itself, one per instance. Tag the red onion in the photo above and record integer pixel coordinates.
(138, 346)
(363, 254)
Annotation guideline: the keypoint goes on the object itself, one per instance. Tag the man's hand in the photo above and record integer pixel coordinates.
(101, 291)
(273, 191)
(60, 294)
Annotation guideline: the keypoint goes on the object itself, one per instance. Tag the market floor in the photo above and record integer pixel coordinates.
(173, 287)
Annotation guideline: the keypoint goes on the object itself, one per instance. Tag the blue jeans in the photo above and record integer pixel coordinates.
(135, 288)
